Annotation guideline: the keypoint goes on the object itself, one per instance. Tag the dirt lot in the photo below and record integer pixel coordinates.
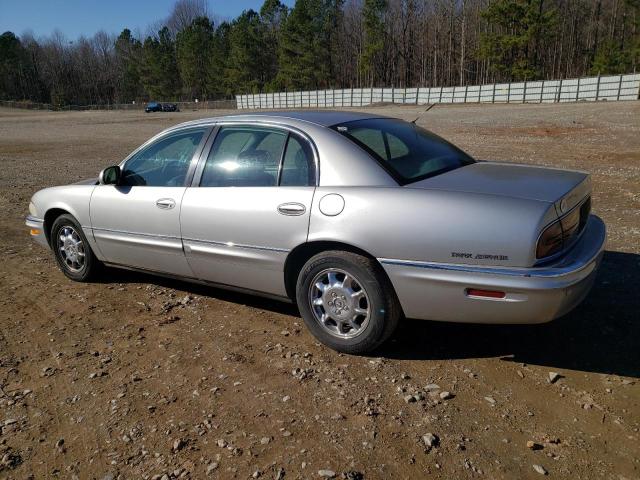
(137, 377)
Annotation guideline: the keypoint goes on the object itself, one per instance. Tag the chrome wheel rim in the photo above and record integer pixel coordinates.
(71, 248)
(339, 303)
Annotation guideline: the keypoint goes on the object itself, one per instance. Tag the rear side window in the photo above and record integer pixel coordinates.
(297, 167)
(258, 157)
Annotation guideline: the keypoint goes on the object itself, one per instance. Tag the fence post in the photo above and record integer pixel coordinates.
(493, 95)
(619, 87)
(509, 92)
(466, 89)
(598, 88)
(578, 90)
(559, 92)
(440, 98)
(417, 94)
(351, 98)
(524, 93)
(541, 91)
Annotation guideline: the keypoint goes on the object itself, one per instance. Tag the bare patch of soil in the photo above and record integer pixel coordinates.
(139, 377)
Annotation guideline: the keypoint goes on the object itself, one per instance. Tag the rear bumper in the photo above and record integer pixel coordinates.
(36, 227)
(436, 291)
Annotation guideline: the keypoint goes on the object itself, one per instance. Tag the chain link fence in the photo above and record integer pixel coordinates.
(601, 88)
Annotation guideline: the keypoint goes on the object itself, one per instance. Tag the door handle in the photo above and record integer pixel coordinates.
(291, 208)
(166, 203)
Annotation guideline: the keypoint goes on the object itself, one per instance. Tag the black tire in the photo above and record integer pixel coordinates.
(89, 266)
(383, 306)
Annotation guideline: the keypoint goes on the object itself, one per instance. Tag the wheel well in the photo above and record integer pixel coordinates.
(299, 256)
(49, 218)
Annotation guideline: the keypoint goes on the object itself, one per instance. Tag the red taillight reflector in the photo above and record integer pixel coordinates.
(474, 292)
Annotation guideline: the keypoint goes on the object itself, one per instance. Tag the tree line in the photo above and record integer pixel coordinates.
(320, 44)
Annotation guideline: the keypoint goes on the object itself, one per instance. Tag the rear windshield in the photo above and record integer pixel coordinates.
(409, 153)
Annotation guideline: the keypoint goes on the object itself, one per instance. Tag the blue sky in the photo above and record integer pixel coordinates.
(85, 17)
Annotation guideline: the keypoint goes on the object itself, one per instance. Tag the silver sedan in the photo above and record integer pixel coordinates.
(360, 220)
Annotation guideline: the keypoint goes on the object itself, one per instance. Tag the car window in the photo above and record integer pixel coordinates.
(409, 153)
(297, 167)
(164, 163)
(244, 157)
(397, 148)
(374, 139)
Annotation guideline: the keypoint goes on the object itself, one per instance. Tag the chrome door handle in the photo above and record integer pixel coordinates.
(166, 203)
(291, 208)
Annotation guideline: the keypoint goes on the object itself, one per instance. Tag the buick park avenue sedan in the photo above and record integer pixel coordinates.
(360, 220)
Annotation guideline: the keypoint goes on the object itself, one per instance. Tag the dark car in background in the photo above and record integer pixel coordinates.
(153, 107)
(169, 107)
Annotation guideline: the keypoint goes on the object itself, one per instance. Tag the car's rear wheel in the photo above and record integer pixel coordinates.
(347, 302)
(71, 249)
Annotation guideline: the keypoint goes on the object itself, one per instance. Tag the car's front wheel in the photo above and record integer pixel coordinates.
(71, 249)
(347, 302)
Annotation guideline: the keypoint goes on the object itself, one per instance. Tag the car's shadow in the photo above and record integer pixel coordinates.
(117, 275)
(602, 335)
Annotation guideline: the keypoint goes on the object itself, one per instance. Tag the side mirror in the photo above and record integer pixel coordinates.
(109, 176)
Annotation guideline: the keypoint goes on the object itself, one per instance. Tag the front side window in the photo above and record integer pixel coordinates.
(409, 153)
(257, 157)
(164, 163)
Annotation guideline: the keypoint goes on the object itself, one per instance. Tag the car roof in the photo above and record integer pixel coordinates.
(323, 118)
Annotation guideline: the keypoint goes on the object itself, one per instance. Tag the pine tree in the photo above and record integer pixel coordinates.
(373, 13)
(621, 55)
(18, 77)
(193, 48)
(272, 15)
(306, 45)
(512, 43)
(159, 70)
(128, 54)
(246, 68)
(219, 52)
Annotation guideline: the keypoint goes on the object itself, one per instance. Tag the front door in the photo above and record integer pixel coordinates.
(137, 223)
(250, 207)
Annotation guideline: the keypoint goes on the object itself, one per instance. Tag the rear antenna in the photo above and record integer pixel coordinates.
(418, 117)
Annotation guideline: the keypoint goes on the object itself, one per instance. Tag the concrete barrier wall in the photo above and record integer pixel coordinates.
(590, 89)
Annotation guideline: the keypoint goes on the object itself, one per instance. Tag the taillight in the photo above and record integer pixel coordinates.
(550, 241)
(570, 223)
(561, 233)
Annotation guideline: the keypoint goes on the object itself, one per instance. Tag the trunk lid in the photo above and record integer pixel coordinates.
(564, 188)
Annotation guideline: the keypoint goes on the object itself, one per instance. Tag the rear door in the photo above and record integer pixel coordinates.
(249, 206)
(137, 223)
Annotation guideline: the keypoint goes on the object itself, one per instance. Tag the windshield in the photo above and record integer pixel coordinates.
(409, 153)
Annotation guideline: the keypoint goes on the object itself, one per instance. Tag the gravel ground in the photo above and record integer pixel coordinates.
(140, 377)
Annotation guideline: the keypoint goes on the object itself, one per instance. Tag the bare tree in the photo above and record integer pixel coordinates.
(184, 13)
